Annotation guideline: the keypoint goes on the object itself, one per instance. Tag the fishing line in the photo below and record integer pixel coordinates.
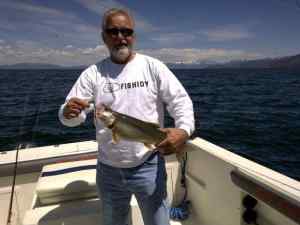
(19, 146)
(37, 112)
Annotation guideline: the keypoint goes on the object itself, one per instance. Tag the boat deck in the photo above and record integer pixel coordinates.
(82, 212)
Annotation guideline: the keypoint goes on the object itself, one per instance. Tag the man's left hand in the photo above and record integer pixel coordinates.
(174, 141)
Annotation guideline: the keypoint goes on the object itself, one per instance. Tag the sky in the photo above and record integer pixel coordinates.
(68, 32)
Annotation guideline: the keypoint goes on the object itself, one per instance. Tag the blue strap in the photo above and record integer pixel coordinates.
(68, 170)
(181, 212)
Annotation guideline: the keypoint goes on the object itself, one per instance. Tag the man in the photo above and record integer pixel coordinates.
(136, 85)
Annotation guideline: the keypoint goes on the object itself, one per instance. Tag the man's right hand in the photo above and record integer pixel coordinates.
(74, 107)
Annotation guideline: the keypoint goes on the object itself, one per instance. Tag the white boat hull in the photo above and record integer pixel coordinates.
(213, 176)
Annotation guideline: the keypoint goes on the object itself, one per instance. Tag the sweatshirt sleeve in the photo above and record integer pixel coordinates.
(83, 89)
(179, 104)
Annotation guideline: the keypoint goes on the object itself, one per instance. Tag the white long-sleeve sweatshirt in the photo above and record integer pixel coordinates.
(139, 89)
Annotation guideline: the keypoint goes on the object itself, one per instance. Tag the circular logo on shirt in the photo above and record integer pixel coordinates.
(111, 87)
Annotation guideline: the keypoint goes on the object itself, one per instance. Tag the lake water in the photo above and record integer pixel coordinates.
(254, 113)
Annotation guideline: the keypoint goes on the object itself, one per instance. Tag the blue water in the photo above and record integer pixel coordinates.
(254, 113)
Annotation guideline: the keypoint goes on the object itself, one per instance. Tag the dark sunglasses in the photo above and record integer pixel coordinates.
(126, 32)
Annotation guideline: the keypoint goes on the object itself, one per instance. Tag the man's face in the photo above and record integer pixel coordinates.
(119, 38)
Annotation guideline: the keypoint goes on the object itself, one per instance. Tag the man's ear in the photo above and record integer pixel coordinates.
(103, 37)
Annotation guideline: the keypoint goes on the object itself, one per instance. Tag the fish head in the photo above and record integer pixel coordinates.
(105, 114)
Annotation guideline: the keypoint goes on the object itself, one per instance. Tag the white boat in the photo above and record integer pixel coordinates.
(56, 185)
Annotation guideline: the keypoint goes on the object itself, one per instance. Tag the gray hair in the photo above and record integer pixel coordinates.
(115, 11)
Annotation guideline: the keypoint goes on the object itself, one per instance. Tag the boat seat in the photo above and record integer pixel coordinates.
(66, 181)
(75, 180)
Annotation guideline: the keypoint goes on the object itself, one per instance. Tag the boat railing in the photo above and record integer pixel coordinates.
(35, 165)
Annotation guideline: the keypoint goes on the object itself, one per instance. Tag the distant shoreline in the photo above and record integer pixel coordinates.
(288, 62)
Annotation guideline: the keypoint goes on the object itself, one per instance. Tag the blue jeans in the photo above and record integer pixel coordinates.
(147, 182)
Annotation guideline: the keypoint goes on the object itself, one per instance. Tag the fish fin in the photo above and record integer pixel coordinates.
(150, 146)
(137, 122)
(155, 125)
(115, 137)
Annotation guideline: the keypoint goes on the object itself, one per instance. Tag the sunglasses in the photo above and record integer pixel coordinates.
(126, 32)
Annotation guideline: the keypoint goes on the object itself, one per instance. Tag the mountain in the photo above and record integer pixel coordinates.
(38, 66)
(288, 62)
(196, 65)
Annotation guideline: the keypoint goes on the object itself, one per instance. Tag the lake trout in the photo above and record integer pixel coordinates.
(129, 128)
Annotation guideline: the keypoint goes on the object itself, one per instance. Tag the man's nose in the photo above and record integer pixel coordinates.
(120, 40)
(120, 35)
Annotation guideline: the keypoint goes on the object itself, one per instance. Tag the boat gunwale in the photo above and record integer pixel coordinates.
(36, 165)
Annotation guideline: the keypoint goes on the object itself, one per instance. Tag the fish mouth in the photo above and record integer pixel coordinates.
(104, 113)
(99, 110)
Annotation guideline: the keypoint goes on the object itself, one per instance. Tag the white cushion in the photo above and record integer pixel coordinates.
(67, 181)
(74, 180)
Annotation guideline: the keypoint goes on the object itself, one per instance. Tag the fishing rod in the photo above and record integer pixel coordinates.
(13, 186)
(19, 146)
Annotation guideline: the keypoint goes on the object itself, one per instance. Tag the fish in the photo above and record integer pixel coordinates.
(129, 128)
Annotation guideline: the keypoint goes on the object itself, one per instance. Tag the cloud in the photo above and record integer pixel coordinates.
(191, 55)
(218, 34)
(174, 38)
(19, 6)
(99, 7)
(50, 26)
(69, 46)
(68, 55)
(227, 33)
(57, 27)
(93, 51)
(65, 37)
(30, 52)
